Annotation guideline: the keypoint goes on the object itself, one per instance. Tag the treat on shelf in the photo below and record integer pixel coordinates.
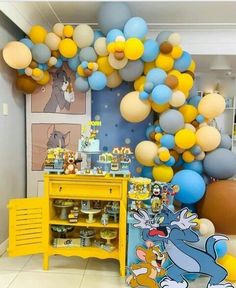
(62, 230)
(63, 204)
(73, 216)
(108, 235)
(97, 204)
(87, 233)
(85, 204)
(54, 160)
(66, 243)
(104, 218)
(89, 142)
(113, 210)
(139, 188)
(90, 213)
(105, 157)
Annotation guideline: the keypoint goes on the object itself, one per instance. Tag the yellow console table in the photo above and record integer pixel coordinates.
(30, 219)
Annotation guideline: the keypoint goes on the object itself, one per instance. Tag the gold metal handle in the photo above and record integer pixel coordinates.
(110, 190)
(60, 189)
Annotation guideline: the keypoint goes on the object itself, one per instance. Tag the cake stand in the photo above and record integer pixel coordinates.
(108, 235)
(90, 213)
(63, 214)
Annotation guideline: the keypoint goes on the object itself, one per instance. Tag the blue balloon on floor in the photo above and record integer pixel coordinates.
(161, 94)
(151, 50)
(196, 166)
(111, 35)
(183, 62)
(97, 81)
(192, 186)
(136, 27)
(147, 172)
(156, 76)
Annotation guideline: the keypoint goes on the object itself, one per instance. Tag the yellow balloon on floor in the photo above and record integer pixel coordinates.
(164, 62)
(189, 112)
(148, 66)
(159, 108)
(162, 173)
(139, 83)
(229, 263)
(185, 138)
(104, 65)
(37, 34)
(133, 48)
(68, 48)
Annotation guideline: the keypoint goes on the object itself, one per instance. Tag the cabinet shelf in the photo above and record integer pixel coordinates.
(82, 223)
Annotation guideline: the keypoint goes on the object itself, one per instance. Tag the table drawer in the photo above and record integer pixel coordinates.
(86, 190)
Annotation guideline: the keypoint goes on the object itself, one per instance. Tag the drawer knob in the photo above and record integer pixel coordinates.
(110, 190)
(60, 189)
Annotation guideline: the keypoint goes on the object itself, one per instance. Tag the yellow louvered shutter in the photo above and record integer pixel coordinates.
(27, 226)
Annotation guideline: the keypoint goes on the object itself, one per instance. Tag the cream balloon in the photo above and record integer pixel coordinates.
(211, 105)
(28, 71)
(208, 138)
(117, 64)
(177, 99)
(52, 41)
(190, 127)
(145, 152)
(83, 35)
(201, 156)
(52, 61)
(58, 29)
(133, 109)
(114, 80)
(100, 46)
(174, 39)
(17, 55)
(207, 228)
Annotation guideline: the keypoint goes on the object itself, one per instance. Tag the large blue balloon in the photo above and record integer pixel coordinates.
(156, 76)
(27, 42)
(136, 27)
(151, 50)
(74, 62)
(192, 186)
(97, 81)
(41, 53)
(194, 100)
(183, 62)
(87, 54)
(161, 94)
(168, 141)
(196, 166)
(81, 84)
(111, 35)
(163, 36)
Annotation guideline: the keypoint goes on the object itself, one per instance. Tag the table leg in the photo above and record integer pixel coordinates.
(45, 261)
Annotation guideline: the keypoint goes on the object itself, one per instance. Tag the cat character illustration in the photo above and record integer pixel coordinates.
(174, 231)
(56, 138)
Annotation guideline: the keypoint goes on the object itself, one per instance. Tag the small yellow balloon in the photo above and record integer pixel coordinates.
(189, 112)
(111, 48)
(229, 263)
(68, 31)
(185, 138)
(148, 66)
(164, 62)
(37, 34)
(139, 83)
(158, 137)
(164, 156)
(162, 173)
(80, 71)
(185, 82)
(119, 46)
(176, 52)
(188, 156)
(104, 65)
(159, 108)
(68, 48)
(37, 72)
(46, 78)
(134, 48)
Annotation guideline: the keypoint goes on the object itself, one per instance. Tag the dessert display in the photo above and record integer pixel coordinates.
(63, 204)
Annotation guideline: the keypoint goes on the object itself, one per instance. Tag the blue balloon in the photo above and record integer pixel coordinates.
(149, 130)
(41, 53)
(158, 129)
(196, 150)
(221, 249)
(21, 71)
(27, 42)
(156, 76)
(143, 95)
(59, 63)
(161, 94)
(194, 100)
(157, 160)
(163, 37)
(147, 172)
(151, 50)
(170, 162)
(183, 62)
(200, 118)
(196, 166)
(192, 186)
(74, 62)
(136, 27)
(64, 59)
(180, 162)
(81, 84)
(111, 35)
(97, 34)
(148, 86)
(97, 81)
(168, 141)
(84, 64)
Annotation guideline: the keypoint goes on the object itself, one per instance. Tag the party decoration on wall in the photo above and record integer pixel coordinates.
(175, 231)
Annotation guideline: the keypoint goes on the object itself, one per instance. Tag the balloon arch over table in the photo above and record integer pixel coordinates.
(181, 146)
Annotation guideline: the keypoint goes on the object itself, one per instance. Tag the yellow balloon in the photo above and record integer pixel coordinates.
(119, 46)
(175, 73)
(114, 80)
(188, 156)
(139, 83)
(68, 31)
(68, 48)
(80, 71)
(37, 72)
(208, 138)
(17, 55)
(104, 65)
(162, 173)
(164, 62)
(148, 66)
(185, 138)
(189, 112)
(111, 48)
(176, 52)
(192, 66)
(211, 105)
(159, 108)
(145, 152)
(185, 82)
(37, 34)
(158, 137)
(46, 78)
(133, 48)
(229, 263)
(164, 156)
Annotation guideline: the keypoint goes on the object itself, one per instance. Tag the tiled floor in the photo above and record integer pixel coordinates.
(72, 272)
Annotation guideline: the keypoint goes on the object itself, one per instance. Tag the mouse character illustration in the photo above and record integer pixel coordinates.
(145, 273)
(174, 231)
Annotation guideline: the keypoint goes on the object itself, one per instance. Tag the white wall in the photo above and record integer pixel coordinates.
(12, 131)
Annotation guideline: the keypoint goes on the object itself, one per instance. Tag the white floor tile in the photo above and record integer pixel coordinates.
(107, 267)
(6, 277)
(46, 280)
(13, 263)
(57, 264)
(103, 282)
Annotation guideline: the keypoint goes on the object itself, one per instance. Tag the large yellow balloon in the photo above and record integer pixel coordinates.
(37, 34)
(159, 108)
(164, 62)
(189, 112)
(104, 66)
(185, 82)
(133, 48)
(52, 41)
(133, 109)
(139, 83)
(208, 138)
(17, 55)
(148, 66)
(114, 80)
(145, 152)
(185, 138)
(68, 48)
(211, 105)
(162, 173)
(229, 263)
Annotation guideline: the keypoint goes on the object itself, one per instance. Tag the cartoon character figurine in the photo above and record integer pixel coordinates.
(174, 231)
(70, 163)
(145, 273)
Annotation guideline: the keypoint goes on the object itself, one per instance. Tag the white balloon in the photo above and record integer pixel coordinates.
(100, 46)
(177, 99)
(83, 35)
(58, 29)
